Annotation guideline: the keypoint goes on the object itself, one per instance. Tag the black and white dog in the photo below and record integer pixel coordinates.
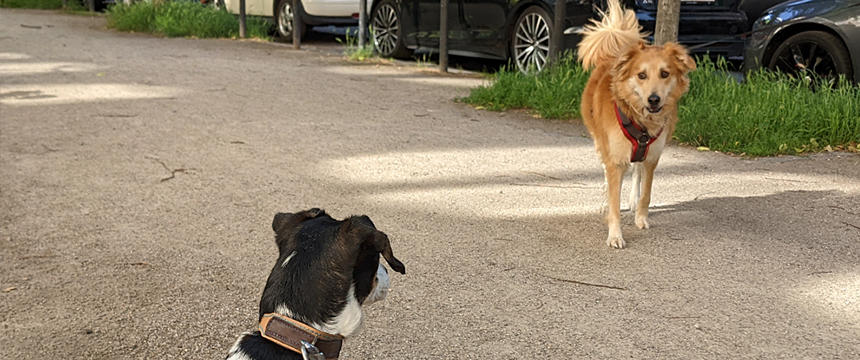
(327, 269)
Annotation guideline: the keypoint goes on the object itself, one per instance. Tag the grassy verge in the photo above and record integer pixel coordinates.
(767, 114)
(182, 18)
(552, 93)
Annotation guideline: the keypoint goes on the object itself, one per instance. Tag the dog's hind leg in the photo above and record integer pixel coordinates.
(614, 174)
(645, 198)
(635, 187)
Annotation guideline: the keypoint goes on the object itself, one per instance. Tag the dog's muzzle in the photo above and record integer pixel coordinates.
(380, 291)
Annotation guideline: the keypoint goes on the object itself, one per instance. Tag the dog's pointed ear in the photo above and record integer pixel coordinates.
(683, 61)
(361, 228)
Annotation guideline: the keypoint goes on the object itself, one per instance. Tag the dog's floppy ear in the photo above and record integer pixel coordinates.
(381, 244)
(362, 229)
(282, 219)
(683, 60)
(620, 69)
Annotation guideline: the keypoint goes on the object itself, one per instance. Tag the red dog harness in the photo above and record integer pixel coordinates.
(637, 135)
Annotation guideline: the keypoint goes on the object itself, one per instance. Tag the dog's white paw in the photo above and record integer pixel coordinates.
(615, 241)
(642, 222)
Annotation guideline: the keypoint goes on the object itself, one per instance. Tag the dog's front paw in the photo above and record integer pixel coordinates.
(615, 241)
(642, 222)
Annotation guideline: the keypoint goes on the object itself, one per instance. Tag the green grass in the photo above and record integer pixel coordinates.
(33, 4)
(354, 52)
(182, 18)
(552, 93)
(767, 114)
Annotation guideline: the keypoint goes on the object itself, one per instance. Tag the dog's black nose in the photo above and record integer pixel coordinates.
(653, 100)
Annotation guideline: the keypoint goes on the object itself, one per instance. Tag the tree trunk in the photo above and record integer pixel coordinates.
(668, 14)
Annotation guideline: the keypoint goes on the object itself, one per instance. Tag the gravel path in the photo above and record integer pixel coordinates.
(140, 176)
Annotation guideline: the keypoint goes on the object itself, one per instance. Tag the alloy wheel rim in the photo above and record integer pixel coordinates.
(805, 56)
(385, 29)
(531, 43)
(285, 19)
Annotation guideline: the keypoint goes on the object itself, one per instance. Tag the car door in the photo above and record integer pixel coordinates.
(252, 7)
(427, 19)
(577, 13)
(488, 22)
(484, 26)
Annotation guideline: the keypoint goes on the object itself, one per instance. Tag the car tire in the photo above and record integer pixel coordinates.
(821, 51)
(529, 40)
(284, 21)
(387, 30)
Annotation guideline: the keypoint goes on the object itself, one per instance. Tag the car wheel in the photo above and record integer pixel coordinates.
(386, 29)
(218, 4)
(816, 51)
(530, 39)
(284, 21)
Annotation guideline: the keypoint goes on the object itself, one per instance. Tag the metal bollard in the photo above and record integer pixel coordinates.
(297, 25)
(242, 26)
(443, 36)
(557, 36)
(362, 23)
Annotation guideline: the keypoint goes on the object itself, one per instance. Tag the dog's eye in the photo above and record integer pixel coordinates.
(664, 74)
(643, 76)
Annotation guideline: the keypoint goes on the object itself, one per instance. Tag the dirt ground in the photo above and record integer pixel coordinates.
(139, 177)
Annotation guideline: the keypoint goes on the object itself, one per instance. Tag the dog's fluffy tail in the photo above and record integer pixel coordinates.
(609, 37)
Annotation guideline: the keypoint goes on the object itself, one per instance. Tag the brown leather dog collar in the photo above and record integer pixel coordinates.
(289, 333)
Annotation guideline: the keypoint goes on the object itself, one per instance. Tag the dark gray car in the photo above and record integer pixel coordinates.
(818, 35)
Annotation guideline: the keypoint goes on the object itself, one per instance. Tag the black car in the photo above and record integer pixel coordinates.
(519, 29)
(821, 36)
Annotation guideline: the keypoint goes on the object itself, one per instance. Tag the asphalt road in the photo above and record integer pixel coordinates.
(140, 176)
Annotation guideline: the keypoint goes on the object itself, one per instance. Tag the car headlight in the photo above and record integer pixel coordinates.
(760, 26)
(767, 20)
(764, 20)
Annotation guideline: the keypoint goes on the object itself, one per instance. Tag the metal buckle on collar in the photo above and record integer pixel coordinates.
(638, 136)
(293, 335)
(311, 352)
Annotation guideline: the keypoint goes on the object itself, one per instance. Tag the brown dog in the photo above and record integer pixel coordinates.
(630, 106)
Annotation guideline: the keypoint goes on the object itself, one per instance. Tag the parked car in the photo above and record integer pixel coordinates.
(519, 29)
(312, 12)
(714, 27)
(822, 36)
(515, 29)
